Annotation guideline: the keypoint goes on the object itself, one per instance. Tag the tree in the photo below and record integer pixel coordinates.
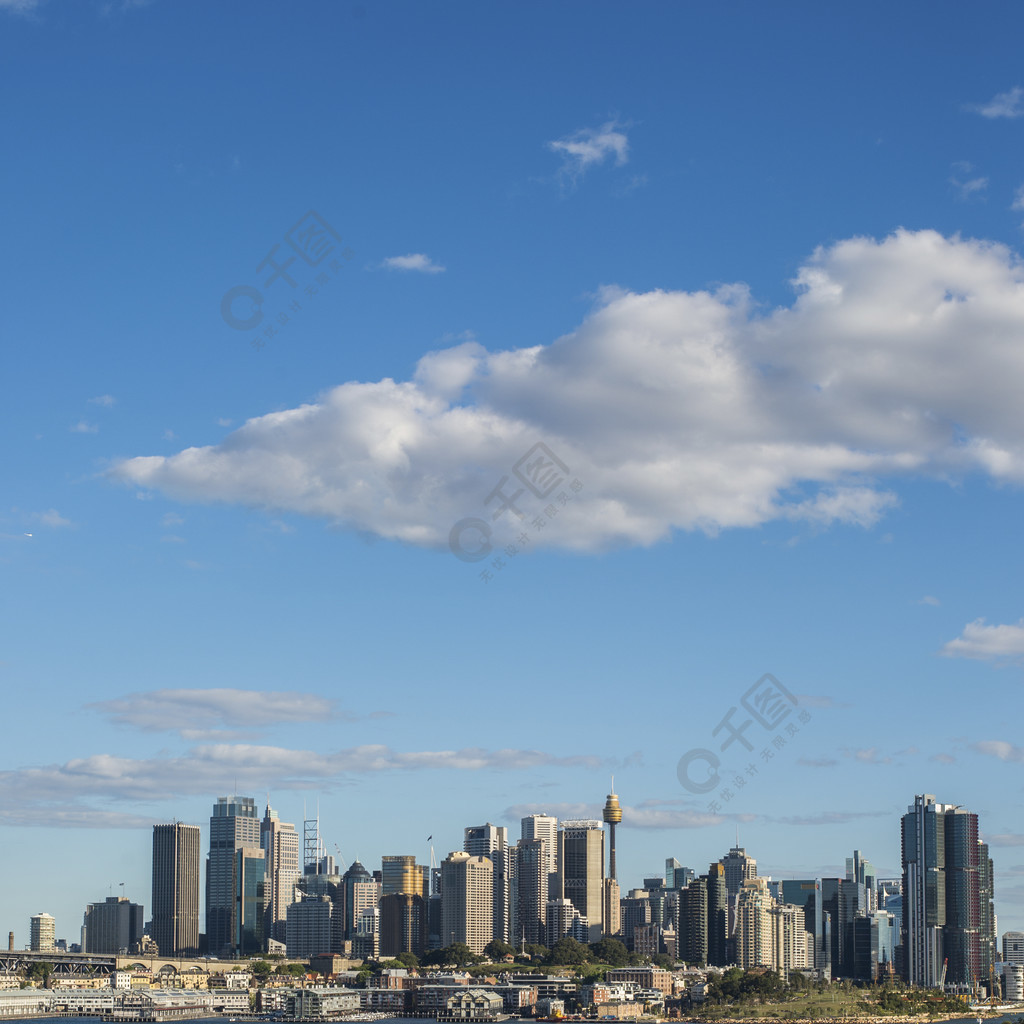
(496, 950)
(534, 950)
(663, 960)
(41, 970)
(568, 951)
(260, 969)
(408, 960)
(460, 954)
(610, 951)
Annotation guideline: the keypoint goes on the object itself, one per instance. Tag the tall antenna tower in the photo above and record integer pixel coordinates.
(313, 849)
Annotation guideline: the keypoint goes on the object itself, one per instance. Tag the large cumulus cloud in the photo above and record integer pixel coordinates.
(675, 410)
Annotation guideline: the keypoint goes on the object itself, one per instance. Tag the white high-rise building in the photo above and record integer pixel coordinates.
(792, 943)
(280, 844)
(1013, 947)
(545, 828)
(42, 933)
(755, 934)
(492, 841)
(467, 900)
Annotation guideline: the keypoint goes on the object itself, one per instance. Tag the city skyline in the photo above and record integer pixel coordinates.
(581, 876)
(418, 414)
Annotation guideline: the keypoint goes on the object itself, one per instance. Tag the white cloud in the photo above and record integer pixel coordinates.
(651, 814)
(824, 818)
(105, 400)
(53, 519)
(84, 427)
(987, 643)
(1003, 104)
(417, 261)
(19, 6)
(1005, 839)
(1001, 749)
(78, 786)
(928, 599)
(674, 410)
(1018, 199)
(171, 519)
(967, 187)
(177, 710)
(868, 755)
(589, 147)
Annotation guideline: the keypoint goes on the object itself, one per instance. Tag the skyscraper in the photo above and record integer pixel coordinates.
(280, 844)
(235, 872)
(718, 915)
(175, 904)
(361, 894)
(403, 924)
(492, 841)
(692, 941)
(581, 871)
(401, 874)
(755, 933)
(113, 926)
(739, 868)
(545, 828)
(947, 894)
(532, 876)
(467, 900)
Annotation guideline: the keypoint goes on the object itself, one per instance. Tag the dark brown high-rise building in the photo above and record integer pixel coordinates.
(175, 906)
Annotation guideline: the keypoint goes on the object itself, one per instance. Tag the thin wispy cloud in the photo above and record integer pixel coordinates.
(105, 400)
(19, 6)
(78, 786)
(591, 147)
(419, 262)
(823, 818)
(1001, 749)
(84, 427)
(53, 519)
(967, 187)
(655, 814)
(999, 643)
(1005, 839)
(179, 710)
(929, 600)
(1004, 104)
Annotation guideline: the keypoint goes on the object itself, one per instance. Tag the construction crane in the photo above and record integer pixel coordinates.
(942, 976)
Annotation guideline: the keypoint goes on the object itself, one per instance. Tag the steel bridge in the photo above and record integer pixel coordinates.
(84, 965)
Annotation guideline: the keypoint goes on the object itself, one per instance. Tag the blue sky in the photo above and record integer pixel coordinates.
(749, 273)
